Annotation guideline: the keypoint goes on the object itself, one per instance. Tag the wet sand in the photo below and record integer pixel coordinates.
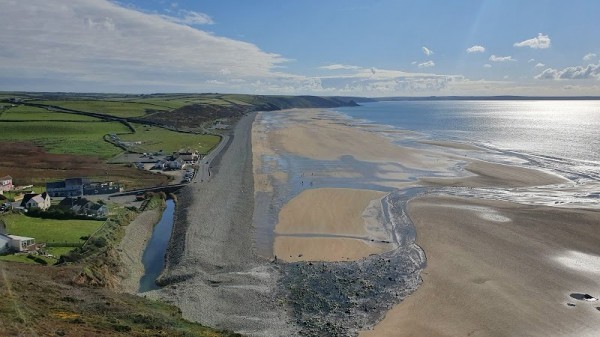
(500, 269)
(494, 268)
(330, 224)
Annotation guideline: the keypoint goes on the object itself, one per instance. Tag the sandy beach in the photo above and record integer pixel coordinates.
(494, 268)
(329, 225)
(340, 206)
(500, 269)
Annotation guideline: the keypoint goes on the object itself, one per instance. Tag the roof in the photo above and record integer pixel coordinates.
(70, 202)
(26, 198)
(36, 197)
(56, 184)
(20, 238)
(96, 207)
(6, 178)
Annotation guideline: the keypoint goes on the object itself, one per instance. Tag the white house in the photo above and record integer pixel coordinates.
(4, 243)
(6, 183)
(32, 200)
(15, 243)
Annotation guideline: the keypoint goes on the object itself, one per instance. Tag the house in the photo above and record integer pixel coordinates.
(97, 210)
(6, 183)
(160, 165)
(188, 156)
(176, 164)
(71, 187)
(15, 243)
(32, 200)
(83, 206)
(76, 187)
(4, 244)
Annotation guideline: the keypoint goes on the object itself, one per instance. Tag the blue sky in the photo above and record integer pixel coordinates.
(334, 47)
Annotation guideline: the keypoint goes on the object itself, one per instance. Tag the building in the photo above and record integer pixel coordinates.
(32, 200)
(15, 243)
(4, 244)
(76, 187)
(101, 188)
(6, 183)
(189, 157)
(72, 187)
(83, 206)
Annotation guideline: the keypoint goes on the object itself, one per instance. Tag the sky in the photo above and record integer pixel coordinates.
(334, 47)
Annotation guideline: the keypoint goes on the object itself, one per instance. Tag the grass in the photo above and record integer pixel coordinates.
(154, 139)
(79, 138)
(23, 112)
(50, 230)
(113, 108)
(44, 301)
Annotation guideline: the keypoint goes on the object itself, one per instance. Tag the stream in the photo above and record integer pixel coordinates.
(154, 254)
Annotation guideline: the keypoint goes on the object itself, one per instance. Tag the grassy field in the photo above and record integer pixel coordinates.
(50, 230)
(43, 301)
(155, 139)
(22, 112)
(79, 138)
(113, 108)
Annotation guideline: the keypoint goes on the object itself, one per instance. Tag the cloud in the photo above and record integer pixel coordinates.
(589, 56)
(427, 64)
(539, 42)
(427, 51)
(100, 46)
(591, 71)
(540, 65)
(495, 58)
(190, 18)
(487, 65)
(531, 60)
(339, 66)
(476, 49)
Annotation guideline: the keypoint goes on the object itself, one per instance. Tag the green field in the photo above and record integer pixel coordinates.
(22, 112)
(177, 101)
(79, 138)
(154, 139)
(50, 230)
(114, 108)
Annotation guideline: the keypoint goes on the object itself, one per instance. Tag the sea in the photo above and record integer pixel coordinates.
(562, 129)
(558, 136)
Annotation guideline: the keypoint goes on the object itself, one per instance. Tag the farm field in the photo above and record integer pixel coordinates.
(154, 139)
(43, 167)
(28, 113)
(79, 138)
(124, 109)
(50, 230)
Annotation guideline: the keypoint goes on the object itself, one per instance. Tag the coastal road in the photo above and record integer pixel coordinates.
(204, 171)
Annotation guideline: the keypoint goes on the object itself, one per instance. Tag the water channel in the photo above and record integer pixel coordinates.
(154, 254)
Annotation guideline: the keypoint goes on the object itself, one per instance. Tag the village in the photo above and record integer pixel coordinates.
(33, 217)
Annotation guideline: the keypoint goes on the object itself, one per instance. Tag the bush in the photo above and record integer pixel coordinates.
(121, 328)
(100, 242)
(37, 259)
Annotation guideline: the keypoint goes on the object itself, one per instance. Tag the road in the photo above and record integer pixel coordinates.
(204, 170)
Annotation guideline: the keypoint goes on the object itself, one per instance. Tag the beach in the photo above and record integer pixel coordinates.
(212, 273)
(499, 269)
(332, 228)
(494, 268)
